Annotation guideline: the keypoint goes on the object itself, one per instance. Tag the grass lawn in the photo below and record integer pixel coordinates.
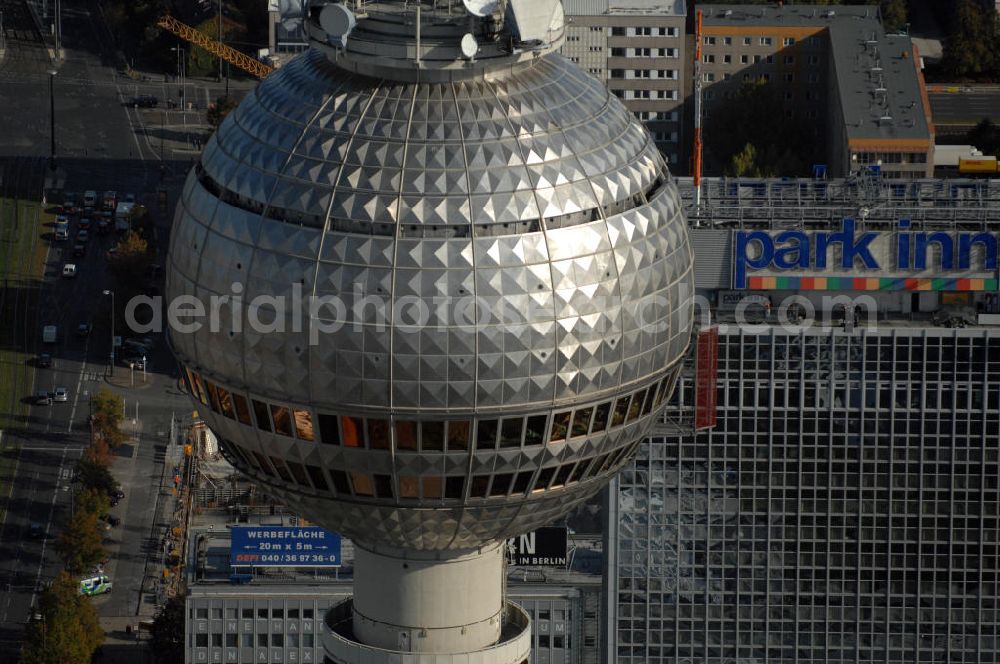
(22, 265)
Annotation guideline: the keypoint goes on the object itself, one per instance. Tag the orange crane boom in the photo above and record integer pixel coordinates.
(230, 55)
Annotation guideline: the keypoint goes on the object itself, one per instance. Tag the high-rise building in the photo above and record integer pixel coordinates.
(861, 90)
(636, 47)
(846, 506)
(458, 290)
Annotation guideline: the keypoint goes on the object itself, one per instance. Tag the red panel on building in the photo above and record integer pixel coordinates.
(706, 371)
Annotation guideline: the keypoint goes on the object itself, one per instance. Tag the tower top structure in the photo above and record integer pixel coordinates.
(446, 40)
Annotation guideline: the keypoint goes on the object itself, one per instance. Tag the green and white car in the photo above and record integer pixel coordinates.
(95, 585)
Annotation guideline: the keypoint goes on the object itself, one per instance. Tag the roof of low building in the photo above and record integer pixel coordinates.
(627, 7)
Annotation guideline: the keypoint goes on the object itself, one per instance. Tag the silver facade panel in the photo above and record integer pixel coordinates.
(714, 249)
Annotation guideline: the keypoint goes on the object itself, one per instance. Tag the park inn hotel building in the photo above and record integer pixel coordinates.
(845, 508)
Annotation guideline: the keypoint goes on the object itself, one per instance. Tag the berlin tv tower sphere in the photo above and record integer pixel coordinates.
(460, 286)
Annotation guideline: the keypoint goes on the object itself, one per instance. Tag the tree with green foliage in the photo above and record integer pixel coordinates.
(894, 16)
(199, 61)
(971, 49)
(986, 136)
(779, 145)
(91, 501)
(168, 632)
(68, 631)
(95, 476)
(218, 111)
(744, 163)
(81, 543)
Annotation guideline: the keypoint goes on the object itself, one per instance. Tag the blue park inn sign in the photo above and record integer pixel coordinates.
(283, 546)
(846, 259)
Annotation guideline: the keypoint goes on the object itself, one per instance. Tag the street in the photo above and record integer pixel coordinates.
(962, 108)
(102, 143)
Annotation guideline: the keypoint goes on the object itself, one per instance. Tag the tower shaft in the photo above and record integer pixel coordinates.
(428, 601)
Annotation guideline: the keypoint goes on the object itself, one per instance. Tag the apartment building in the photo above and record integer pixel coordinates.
(637, 48)
(861, 89)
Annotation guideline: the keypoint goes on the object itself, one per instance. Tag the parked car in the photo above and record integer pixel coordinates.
(61, 395)
(117, 493)
(111, 253)
(69, 270)
(82, 236)
(42, 398)
(83, 329)
(103, 227)
(111, 520)
(69, 204)
(84, 223)
(44, 360)
(79, 250)
(129, 198)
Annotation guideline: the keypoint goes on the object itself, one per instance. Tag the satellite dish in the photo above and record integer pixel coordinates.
(481, 8)
(337, 21)
(469, 46)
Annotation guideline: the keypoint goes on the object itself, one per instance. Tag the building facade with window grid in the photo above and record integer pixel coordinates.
(844, 509)
(637, 49)
(277, 618)
(859, 89)
(282, 624)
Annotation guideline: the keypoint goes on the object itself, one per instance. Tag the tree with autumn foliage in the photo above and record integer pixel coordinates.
(67, 630)
(81, 543)
(108, 412)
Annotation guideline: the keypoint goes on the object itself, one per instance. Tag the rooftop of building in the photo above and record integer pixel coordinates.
(880, 90)
(791, 202)
(675, 8)
(787, 15)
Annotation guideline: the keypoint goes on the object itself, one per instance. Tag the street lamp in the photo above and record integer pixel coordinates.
(52, 119)
(112, 294)
(180, 71)
(220, 38)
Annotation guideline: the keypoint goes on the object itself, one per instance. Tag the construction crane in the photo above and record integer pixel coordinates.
(230, 55)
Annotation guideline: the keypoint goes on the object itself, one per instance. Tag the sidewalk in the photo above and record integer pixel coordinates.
(123, 643)
(151, 594)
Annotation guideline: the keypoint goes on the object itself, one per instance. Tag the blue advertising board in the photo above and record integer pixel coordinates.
(284, 546)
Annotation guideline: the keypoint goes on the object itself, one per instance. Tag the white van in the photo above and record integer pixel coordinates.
(97, 585)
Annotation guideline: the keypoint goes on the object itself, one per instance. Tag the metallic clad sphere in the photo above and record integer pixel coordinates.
(494, 285)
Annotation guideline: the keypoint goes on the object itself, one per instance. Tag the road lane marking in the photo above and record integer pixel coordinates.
(45, 540)
(10, 493)
(79, 382)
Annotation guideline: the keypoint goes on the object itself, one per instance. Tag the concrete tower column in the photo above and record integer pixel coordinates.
(428, 601)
